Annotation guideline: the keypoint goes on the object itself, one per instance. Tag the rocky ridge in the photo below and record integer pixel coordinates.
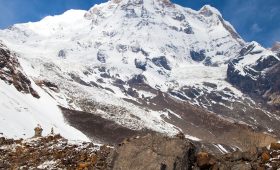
(152, 151)
(256, 72)
(12, 73)
(51, 152)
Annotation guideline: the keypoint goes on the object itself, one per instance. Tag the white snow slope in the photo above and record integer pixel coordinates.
(20, 113)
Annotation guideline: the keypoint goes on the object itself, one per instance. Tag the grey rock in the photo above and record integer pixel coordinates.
(121, 48)
(242, 166)
(130, 13)
(62, 54)
(153, 152)
(137, 79)
(140, 64)
(101, 56)
(236, 156)
(198, 56)
(188, 30)
(161, 62)
(178, 16)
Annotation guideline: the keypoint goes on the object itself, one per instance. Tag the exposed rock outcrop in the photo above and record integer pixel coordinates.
(153, 152)
(198, 56)
(161, 62)
(273, 79)
(256, 72)
(161, 152)
(50, 85)
(12, 73)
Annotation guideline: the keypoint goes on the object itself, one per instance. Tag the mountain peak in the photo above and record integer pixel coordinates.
(139, 1)
(208, 10)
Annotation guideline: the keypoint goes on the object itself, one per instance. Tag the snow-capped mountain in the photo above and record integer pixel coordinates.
(143, 65)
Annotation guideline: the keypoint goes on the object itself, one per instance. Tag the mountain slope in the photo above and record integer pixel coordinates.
(24, 105)
(144, 65)
(255, 71)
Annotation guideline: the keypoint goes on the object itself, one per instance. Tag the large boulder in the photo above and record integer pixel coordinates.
(241, 166)
(204, 160)
(153, 152)
(275, 146)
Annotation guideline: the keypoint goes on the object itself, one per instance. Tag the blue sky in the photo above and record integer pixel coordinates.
(257, 20)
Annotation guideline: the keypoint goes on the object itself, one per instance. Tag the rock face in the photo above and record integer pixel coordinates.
(140, 64)
(256, 72)
(272, 77)
(153, 152)
(198, 56)
(12, 73)
(161, 62)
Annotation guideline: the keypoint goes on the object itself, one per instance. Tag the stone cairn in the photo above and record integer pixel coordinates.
(38, 131)
(52, 131)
